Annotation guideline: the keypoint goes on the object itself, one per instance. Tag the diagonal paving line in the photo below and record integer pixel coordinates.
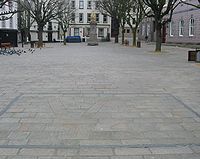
(10, 104)
(185, 105)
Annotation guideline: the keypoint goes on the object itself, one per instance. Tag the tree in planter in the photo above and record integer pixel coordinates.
(197, 4)
(7, 14)
(135, 15)
(65, 18)
(161, 11)
(43, 11)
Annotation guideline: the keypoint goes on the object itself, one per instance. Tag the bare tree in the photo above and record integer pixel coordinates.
(113, 9)
(135, 15)
(7, 14)
(65, 18)
(123, 7)
(161, 11)
(197, 4)
(24, 24)
(43, 11)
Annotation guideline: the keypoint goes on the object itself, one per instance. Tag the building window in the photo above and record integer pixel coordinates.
(3, 22)
(89, 5)
(50, 27)
(81, 4)
(181, 26)
(73, 17)
(101, 32)
(81, 17)
(76, 31)
(191, 27)
(73, 4)
(105, 19)
(11, 22)
(97, 17)
(88, 17)
(171, 25)
(127, 31)
(143, 30)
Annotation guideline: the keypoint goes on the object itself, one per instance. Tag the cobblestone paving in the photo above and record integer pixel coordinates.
(104, 102)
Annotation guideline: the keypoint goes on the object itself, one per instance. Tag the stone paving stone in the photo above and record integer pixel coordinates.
(196, 149)
(37, 151)
(96, 152)
(54, 158)
(8, 151)
(17, 142)
(174, 156)
(67, 152)
(136, 141)
(90, 157)
(171, 150)
(127, 157)
(17, 135)
(131, 151)
(22, 157)
(100, 142)
(9, 120)
(4, 134)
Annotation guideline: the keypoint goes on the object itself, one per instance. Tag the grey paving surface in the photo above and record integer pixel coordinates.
(104, 102)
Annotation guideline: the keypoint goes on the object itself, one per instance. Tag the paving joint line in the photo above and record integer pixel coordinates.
(97, 146)
(101, 93)
(185, 105)
(4, 110)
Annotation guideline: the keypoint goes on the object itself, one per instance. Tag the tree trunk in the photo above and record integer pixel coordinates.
(116, 38)
(116, 29)
(40, 37)
(158, 37)
(134, 33)
(123, 32)
(64, 40)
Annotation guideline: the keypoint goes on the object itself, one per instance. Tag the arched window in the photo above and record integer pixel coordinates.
(181, 27)
(191, 27)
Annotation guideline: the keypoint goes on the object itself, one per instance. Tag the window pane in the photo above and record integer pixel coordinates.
(76, 31)
(81, 4)
(101, 32)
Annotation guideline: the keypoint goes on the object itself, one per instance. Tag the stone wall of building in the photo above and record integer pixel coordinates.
(184, 13)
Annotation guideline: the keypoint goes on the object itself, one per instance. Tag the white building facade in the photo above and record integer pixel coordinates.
(80, 23)
(50, 32)
(8, 28)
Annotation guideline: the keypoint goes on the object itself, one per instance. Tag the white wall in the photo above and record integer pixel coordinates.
(10, 23)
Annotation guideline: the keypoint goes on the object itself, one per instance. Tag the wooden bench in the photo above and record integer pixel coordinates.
(6, 45)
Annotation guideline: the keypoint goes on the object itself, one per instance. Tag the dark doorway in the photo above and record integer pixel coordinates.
(50, 37)
(8, 36)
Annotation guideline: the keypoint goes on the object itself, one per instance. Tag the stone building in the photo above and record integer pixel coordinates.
(185, 25)
(8, 28)
(80, 23)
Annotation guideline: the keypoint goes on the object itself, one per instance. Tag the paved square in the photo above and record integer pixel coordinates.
(105, 102)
